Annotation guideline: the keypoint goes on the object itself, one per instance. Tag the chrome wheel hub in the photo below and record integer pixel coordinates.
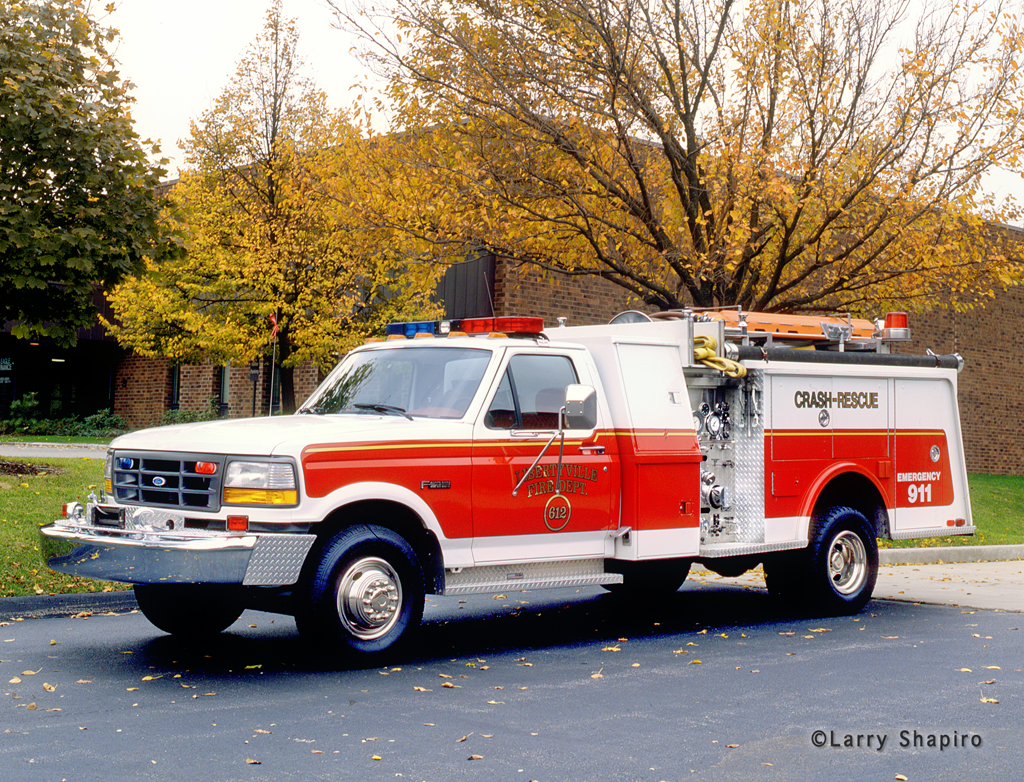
(369, 598)
(847, 563)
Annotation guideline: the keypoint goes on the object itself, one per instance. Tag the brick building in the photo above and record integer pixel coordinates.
(991, 342)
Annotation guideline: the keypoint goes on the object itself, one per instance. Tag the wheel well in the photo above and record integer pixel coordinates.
(396, 517)
(853, 491)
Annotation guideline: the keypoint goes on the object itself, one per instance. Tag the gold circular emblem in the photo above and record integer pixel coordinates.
(557, 512)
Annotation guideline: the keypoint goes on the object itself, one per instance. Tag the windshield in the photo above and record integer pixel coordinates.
(416, 382)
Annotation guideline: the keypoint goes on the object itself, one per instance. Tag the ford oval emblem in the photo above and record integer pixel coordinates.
(158, 481)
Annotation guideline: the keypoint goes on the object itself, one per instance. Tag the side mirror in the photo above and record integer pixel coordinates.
(580, 407)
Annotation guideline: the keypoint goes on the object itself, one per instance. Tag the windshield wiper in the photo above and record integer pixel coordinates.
(378, 408)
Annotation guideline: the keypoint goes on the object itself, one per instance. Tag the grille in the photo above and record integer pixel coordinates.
(166, 480)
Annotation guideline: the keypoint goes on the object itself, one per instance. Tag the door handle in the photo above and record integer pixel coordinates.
(592, 450)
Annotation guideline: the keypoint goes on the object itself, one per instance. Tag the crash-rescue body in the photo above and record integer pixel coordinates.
(611, 455)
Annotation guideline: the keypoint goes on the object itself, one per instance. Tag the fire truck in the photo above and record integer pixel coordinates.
(488, 455)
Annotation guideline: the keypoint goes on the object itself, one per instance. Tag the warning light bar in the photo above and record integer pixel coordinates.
(510, 325)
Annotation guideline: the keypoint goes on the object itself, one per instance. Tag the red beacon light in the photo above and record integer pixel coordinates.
(896, 327)
(503, 325)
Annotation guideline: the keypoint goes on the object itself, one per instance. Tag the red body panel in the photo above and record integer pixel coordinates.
(893, 462)
(421, 467)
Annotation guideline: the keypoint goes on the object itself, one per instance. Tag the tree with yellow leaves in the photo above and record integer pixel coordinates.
(273, 250)
(780, 155)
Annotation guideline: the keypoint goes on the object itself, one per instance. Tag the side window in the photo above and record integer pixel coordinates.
(502, 412)
(531, 393)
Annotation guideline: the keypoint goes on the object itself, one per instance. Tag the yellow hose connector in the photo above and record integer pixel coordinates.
(704, 352)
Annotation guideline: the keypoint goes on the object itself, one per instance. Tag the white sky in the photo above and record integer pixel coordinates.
(181, 54)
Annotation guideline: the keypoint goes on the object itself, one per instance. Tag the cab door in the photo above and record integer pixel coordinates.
(555, 512)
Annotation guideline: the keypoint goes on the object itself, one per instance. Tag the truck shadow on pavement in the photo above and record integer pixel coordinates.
(476, 627)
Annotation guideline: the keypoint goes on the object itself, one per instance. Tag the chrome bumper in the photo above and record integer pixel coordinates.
(179, 557)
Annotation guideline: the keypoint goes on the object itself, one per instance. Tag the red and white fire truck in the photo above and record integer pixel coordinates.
(489, 455)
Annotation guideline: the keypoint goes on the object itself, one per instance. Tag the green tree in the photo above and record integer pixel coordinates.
(77, 194)
(768, 153)
(264, 207)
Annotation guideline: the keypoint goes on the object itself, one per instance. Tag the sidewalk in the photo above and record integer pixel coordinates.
(995, 586)
(17, 450)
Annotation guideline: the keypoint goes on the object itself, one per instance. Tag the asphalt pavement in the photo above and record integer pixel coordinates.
(713, 684)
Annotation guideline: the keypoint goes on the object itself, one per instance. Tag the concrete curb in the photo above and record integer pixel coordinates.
(949, 554)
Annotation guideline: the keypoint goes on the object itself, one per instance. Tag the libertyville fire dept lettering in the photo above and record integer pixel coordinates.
(572, 480)
(852, 400)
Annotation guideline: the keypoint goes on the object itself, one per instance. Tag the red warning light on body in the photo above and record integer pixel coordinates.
(897, 320)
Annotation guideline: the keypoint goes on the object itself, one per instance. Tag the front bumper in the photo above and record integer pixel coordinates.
(181, 556)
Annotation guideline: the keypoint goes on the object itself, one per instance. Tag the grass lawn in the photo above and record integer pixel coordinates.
(26, 503)
(30, 501)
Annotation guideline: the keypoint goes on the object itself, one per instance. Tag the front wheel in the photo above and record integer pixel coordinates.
(190, 610)
(366, 593)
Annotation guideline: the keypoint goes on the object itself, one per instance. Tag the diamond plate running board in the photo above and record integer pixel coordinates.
(531, 575)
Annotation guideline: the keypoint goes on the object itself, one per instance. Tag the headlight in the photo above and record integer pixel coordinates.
(260, 483)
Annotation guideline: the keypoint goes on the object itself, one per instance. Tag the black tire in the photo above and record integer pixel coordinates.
(365, 594)
(190, 610)
(650, 579)
(836, 574)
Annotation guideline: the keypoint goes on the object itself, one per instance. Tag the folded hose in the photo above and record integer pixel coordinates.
(704, 352)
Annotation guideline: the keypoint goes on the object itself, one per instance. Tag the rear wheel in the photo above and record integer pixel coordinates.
(190, 609)
(365, 595)
(836, 573)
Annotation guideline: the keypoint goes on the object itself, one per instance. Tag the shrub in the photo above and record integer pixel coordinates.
(211, 413)
(23, 422)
